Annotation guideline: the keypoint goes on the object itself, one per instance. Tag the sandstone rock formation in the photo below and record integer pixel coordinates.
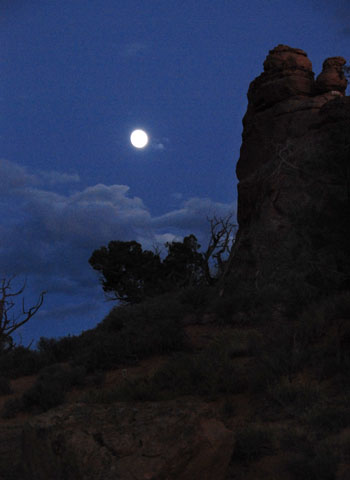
(288, 126)
(164, 440)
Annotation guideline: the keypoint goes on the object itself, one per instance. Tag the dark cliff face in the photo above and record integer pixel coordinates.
(293, 174)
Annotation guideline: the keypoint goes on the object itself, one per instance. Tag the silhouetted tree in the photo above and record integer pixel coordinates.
(222, 231)
(130, 274)
(127, 272)
(10, 323)
(184, 265)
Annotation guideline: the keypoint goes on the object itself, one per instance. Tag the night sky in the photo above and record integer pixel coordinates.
(76, 77)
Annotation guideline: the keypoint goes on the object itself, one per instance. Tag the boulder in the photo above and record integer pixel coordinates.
(332, 77)
(165, 440)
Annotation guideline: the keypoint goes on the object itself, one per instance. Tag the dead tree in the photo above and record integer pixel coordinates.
(222, 231)
(10, 323)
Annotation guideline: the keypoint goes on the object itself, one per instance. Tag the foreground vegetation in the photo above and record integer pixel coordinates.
(295, 373)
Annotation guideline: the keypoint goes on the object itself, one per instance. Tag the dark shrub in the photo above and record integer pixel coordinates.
(252, 443)
(319, 464)
(12, 407)
(283, 352)
(238, 299)
(293, 398)
(66, 376)
(19, 362)
(55, 350)
(51, 386)
(115, 320)
(100, 351)
(209, 373)
(43, 395)
(196, 298)
(5, 386)
(133, 332)
(328, 418)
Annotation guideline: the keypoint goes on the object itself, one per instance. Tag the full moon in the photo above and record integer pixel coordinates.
(139, 138)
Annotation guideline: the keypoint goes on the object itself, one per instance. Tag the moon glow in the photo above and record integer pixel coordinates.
(139, 138)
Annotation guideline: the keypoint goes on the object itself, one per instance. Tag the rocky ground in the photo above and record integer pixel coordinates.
(231, 437)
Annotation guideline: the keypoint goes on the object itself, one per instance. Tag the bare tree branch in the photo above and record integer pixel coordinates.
(9, 324)
(220, 243)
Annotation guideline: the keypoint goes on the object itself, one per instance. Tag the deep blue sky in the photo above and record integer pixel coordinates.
(76, 77)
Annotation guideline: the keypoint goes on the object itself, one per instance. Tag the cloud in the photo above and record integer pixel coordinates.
(54, 178)
(48, 233)
(133, 49)
(48, 237)
(193, 214)
(14, 177)
(158, 146)
(193, 218)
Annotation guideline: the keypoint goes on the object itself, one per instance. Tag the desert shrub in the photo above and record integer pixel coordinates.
(259, 377)
(318, 463)
(228, 409)
(238, 299)
(115, 320)
(196, 298)
(55, 350)
(338, 305)
(224, 308)
(209, 373)
(51, 386)
(5, 386)
(185, 375)
(43, 395)
(327, 418)
(155, 327)
(295, 440)
(252, 443)
(67, 376)
(99, 351)
(148, 328)
(293, 398)
(243, 342)
(19, 362)
(282, 352)
(331, 358)
(334, 364)
(313, 324)
(12, 407)
(135, 390)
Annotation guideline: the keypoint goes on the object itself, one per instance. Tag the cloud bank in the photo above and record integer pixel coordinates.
(48, 236)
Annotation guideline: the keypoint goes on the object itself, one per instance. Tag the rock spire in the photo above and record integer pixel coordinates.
(290, 125)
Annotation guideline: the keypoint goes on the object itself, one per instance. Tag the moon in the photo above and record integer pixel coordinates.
(139, 138)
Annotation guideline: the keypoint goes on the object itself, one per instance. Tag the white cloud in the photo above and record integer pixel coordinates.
(49, 237)
(133, 49)
(13, 176)
(54, 178)
(158, 146)
(193, 214)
